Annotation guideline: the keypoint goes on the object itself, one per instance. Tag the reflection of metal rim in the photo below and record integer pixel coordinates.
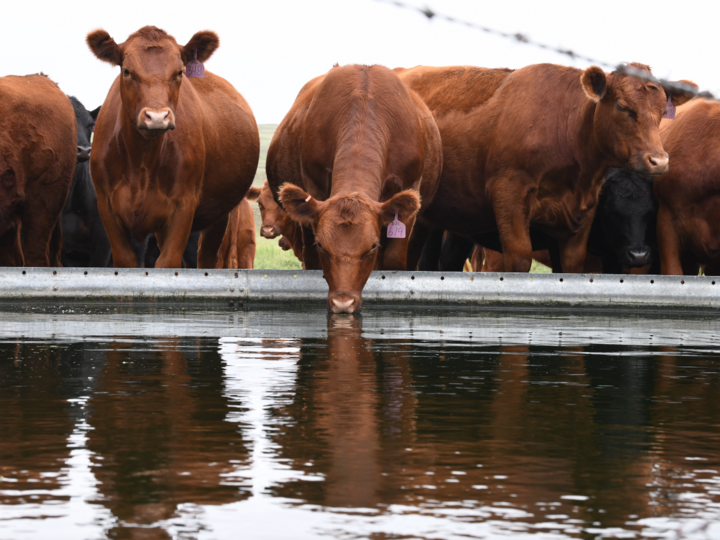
(424, 327)
(399, 288)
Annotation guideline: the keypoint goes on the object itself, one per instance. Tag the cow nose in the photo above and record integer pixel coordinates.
(344, 304)
(638, 257)
(83, 153)
(156, 119)
(268, 232)
(656, 164)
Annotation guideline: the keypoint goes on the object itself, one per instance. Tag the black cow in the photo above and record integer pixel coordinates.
(85, 242)
(622, 234)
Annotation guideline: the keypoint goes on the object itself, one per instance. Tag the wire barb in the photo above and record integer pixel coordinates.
(523, 38)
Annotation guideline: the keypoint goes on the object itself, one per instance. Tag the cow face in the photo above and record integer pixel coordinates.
(628, 211)
(85, 124)
(347, 229)
(275, 220)
(627, 118)
(152, 71)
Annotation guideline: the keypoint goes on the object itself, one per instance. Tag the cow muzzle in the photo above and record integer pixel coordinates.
(157, 120)
(344, 303)
(83, 153)
(269, 231)
(653, 164)
(636, 257)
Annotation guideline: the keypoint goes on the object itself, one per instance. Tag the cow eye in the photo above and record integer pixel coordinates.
(319, 245)
(180, 73)
(126, 72)
(374, 246)
(261, 206)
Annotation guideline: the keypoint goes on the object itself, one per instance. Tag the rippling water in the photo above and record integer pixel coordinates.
(400, 424)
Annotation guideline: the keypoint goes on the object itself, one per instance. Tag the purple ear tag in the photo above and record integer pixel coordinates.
(195, 69)
(669, 110)
(396, 229)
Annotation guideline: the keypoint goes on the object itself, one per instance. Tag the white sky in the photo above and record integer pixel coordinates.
(270, 48)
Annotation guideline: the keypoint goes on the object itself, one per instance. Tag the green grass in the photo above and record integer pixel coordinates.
(539, 268)
(268, 255)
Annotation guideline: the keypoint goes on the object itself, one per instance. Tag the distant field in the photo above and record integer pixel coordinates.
(268, 254)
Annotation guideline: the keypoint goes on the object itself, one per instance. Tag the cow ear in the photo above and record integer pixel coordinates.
(205, 43)
(678, 97)
(94, 113)
(594, 82)
(104, 47)
(300, 206)
(406, 204)
(253, 194)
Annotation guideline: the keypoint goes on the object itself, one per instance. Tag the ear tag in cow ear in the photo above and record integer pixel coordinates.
(669, 110)
(195, 69)
(308, 198)
(396, 229)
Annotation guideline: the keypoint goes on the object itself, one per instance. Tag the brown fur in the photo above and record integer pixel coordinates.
(276, 222)
(533, 149)
(362, 146)
(688, 226)
(173, 182)
(38, 146)
(238, 246)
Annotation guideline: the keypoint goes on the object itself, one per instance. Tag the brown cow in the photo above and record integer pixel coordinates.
(688, 226)
(238, 246)
(38, 147)
(357, 150)
(171, 155)
(531, 148)
(276, 222)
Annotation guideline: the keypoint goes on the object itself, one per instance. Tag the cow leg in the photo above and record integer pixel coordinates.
(11, 253)
(123, 255)
(555, 258)
(573, 250)
(36, 236)
(56, 246)
(456, 250)
(431, 251)
(513, 223)
(311, 260)
(669, 244)
(209, 243)
(419, 237)
(690, 266)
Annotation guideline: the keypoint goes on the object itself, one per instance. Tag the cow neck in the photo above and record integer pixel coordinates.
(142, 153)
(361, 153)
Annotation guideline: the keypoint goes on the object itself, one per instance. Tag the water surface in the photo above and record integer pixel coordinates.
(400, 424)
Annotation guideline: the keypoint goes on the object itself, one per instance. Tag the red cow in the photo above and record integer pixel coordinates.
(688, 226)
(357, 150)
(531, 148)
(238, 246)
(38, 147)
(171, 155)
(276, 222)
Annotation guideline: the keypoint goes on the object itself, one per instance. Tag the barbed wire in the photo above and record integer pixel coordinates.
(525, 40)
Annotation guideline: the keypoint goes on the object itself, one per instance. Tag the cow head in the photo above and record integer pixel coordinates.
(627, 118)
(85, 124)
(347, 230)
(628, 210)
(275, 220)
(152, 68)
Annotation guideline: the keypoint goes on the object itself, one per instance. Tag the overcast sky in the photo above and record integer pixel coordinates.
(270, 48)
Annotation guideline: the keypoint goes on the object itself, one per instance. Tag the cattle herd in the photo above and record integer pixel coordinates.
(372, 168)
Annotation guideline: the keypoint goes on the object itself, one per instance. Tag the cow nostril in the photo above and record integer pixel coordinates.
(652, 161)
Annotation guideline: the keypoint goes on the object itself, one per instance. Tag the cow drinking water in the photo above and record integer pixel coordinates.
(357, 151)
(171, 154)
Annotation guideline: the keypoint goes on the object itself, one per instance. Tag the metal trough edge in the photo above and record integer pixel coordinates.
(399, 288)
